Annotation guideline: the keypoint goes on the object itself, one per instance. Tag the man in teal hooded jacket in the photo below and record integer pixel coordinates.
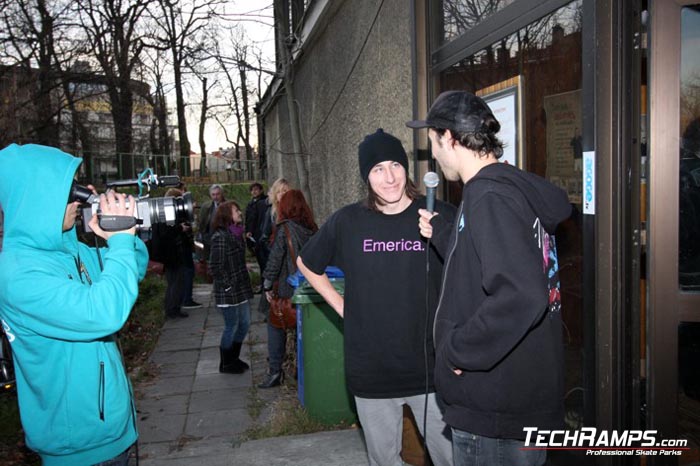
(61, 309)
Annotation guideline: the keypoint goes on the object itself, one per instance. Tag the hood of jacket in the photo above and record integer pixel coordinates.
(34, 185)
(549, 202)
(297, 231)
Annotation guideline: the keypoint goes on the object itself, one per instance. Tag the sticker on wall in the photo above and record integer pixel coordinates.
(589, 183)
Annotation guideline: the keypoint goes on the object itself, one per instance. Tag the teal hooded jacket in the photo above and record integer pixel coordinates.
(74, 395)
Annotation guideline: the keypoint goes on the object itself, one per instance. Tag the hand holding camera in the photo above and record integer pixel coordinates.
(116, 209)
(114, 212)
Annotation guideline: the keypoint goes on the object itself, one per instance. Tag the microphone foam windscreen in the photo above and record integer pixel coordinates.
(431, 180)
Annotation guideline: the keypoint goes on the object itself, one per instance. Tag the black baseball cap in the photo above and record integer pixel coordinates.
(458, 111)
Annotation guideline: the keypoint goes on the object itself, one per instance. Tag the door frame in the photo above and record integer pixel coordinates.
(668, 306)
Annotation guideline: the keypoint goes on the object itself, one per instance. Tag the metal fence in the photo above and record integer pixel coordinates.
(100, 169)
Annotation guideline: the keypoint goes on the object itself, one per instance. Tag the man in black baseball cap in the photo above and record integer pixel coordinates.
(459, 121)
(458, 111)
(498, 328)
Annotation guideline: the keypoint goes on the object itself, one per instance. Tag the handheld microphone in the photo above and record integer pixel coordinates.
(431, 180)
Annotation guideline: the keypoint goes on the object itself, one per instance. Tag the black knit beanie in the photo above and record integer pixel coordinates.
(379, 147)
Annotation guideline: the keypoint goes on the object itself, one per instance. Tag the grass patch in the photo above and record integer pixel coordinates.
(13, 451)
(140, 333)
(255, 403)
(238, 192)
(255, 279)
(287, 417)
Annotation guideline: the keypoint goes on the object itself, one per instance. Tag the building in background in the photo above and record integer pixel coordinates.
(81, 119)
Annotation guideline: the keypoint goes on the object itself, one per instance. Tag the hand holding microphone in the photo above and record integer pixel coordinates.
(431, 181)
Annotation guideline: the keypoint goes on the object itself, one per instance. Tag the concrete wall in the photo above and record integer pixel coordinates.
(377, 95)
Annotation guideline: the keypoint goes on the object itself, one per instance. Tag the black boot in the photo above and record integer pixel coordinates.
(236, 353)
(227, 363)
(272, 380)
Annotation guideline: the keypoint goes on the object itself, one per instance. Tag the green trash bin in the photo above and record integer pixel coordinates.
(320, 358)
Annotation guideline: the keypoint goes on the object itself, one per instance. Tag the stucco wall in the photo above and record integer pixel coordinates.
(377, 94)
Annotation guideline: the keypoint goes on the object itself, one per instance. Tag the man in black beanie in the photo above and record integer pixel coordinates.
(377, 245)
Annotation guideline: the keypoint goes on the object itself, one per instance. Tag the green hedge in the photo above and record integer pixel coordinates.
(239, 192)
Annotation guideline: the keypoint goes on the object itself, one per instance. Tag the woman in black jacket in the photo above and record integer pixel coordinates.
(232, 288)
(295, 225)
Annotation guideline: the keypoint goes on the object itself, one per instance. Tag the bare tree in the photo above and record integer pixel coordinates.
(241, 81)
(30, 30)
(155, 67)
(112, 29)
(181, 22)
(204, 108)
(227, 65)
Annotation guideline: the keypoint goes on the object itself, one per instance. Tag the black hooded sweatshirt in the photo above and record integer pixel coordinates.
(498, 318)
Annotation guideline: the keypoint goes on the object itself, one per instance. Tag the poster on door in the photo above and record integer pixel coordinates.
(503, 99)
(564, 143)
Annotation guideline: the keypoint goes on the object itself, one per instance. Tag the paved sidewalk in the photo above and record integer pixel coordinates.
(193, 415)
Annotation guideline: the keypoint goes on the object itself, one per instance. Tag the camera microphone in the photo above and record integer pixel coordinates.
(154, 180)
(169, 180)
(431, 180)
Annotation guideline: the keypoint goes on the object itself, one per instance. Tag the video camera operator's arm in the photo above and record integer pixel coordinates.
(323, 285)
(92, 303)
(112, 207)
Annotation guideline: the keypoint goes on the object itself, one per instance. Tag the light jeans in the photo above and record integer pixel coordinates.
(382, 425)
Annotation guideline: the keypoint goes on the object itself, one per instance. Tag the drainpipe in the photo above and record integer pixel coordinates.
(288, 73)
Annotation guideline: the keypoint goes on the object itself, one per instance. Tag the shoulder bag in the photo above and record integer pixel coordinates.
(283, 314)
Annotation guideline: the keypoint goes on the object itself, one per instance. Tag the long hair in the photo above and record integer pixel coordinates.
(293, 207)
(223, 217)
(278, 185)
(373, 200)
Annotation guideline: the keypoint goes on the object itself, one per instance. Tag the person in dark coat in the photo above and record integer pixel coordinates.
(254, 219)
(206, 217)
(499, 353)
(175, 246)
(232, 288)
(294, 227)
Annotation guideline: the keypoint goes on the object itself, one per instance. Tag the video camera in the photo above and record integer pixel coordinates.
(149, 211)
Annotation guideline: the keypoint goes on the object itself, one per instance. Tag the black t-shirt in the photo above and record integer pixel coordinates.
(384, 261)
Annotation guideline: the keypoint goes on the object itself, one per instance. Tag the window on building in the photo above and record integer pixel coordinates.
(459, 16)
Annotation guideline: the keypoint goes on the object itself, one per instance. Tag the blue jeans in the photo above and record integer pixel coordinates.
(475, 450)
(236, 323)
(276, 347)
